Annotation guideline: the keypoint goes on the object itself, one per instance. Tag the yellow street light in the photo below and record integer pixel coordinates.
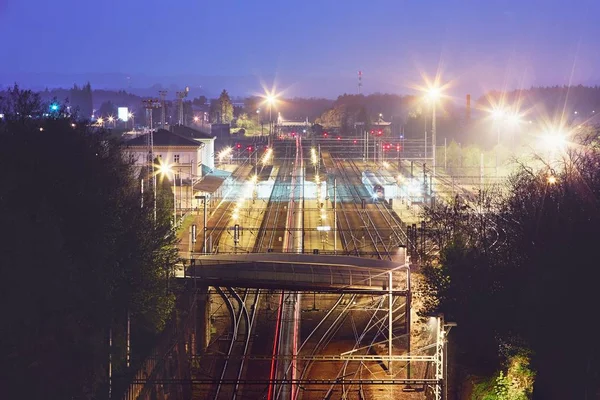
(165, 169)
(551, 179)
(498, 114)
(554, 140)
(434, 93)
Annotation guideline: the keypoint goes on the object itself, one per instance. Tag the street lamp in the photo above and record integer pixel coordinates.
(270, 99)
(100, 121)
(111, 119)
(132, 117)
(434, 93)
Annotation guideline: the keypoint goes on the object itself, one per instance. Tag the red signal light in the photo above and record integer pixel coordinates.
(398, 147)
(354, 141)
(238, 145)
(249, 148)
(379, 132)
(325, 134)
(339, 138)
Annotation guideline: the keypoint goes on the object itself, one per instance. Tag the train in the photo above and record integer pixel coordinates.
(373, 184)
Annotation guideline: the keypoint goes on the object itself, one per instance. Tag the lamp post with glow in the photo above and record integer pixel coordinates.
(132, 117)
(434, 94)
(270, 99)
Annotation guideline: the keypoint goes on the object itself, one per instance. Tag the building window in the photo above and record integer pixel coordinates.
(176, 158)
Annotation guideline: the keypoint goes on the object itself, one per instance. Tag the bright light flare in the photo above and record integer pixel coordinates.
(554, 140)
(386, 164)
(224, 153)
(433, 90)
(267, 156)
(514, 119)
(165, 169)
(498, 114)
(434, 93)
(551, 179)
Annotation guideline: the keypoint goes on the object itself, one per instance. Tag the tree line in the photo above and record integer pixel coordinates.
(78, 254)
(517, 270)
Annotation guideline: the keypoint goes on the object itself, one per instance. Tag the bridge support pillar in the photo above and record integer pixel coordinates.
(202, 319)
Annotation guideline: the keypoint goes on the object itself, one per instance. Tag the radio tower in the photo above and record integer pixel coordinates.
(181, 96)
(163, 95)
(359, 82)
(150, 105)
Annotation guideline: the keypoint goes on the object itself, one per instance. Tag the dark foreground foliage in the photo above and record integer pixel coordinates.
(77, 252)
(518, 271)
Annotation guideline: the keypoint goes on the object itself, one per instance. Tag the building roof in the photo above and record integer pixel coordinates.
(190, 132)
(209, 184)
(163, 137)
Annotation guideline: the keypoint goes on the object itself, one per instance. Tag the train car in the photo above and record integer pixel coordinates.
(389, 183)
(374, 185)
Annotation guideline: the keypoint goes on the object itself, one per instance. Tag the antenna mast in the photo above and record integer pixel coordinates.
(359, 82)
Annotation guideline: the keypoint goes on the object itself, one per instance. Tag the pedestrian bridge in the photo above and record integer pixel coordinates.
(299, 272)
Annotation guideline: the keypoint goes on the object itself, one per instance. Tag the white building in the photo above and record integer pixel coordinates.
(208, 150)
(184, 155)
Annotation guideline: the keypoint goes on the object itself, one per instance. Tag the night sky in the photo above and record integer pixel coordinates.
(318, 45)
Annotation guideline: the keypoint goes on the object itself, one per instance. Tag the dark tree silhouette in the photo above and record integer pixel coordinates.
(78, 251)
(518, 272)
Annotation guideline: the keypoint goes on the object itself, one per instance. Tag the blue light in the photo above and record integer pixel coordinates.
(53, 107)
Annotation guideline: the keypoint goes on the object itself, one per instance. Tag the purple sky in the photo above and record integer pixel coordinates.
(314, 47)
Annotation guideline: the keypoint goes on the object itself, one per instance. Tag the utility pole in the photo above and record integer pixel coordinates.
(163, 95)
(150, 105)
